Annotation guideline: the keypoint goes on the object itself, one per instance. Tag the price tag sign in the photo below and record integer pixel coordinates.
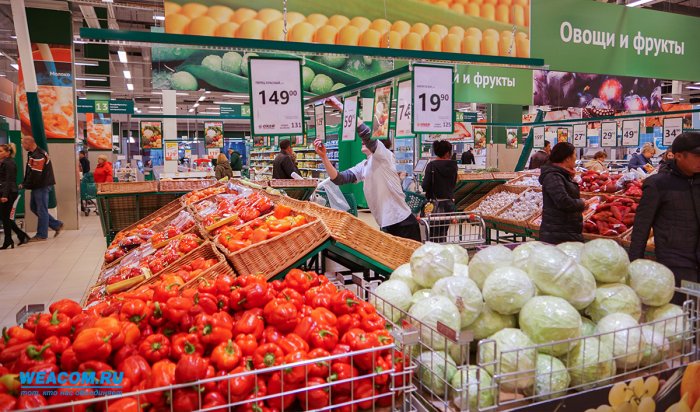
(580, 135)
(673, 126)
(630, 132)
(349, 119)
(276, 96)
(320, 121)
(433, 103)
(608, 134)
(403, 110)
(538, 136)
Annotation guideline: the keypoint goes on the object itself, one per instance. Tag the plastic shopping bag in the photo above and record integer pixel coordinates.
(335, 196)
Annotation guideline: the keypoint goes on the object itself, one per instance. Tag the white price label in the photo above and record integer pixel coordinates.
(673, 126)
(433, 103)
(320, 116)
(276, 96)
(538, 137)
(349, 118)
(580, 135)
(608, 134)
(630, 132)
(403, 110)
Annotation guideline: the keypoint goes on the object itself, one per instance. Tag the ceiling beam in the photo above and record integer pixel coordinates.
(676, 8)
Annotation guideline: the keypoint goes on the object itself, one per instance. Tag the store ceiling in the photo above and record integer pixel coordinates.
(142, 15)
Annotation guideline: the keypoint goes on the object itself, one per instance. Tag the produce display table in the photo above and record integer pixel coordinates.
(120, 210)
(469, 191)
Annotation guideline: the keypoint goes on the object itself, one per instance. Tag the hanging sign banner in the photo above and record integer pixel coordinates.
(151, 135)
(433, 99)
(592, 37)
(673, 126)
(106, 106)
(320, 120)
(580, 135)
(380, 114)
(630, 132)
(234, 111)
(275, 93)
(403, 110)
(349, 118)
(608, 134)
(538, 137)
(491, 84)
(213, 134)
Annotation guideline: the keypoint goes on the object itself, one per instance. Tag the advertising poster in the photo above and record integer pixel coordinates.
(416, 25)
(55, 89)
(258, 141)
(380, 114)
(151, 135)
(511, 138)
(171, 151)
(658, 121)
(479, 137)
(562, 134)
(213, 135)
(7, 103)
(99, 131)
(597, 91)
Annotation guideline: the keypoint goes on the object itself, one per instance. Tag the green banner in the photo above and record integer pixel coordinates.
(106, 106)
(591, 37)
(234, 111)
(489, 84)
(466, 117)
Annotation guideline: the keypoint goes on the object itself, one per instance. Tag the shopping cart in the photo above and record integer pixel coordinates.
(88, 194)
(458, 228)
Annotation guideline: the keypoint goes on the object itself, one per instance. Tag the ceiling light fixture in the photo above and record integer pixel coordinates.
(235, 95)
(159, 17)
(13, 36)
(181, 94)
(122, 56)
(237, 103)
(191, 110)
(667, 98)
(127, 74)
(155, 107)
(693, 87)
(639, 3)
(195, 105)
(87, 63)
(14, 66)
(129, 86)
(92, 79)
(201, 99)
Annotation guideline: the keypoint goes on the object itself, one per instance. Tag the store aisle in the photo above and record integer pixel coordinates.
(62, 267)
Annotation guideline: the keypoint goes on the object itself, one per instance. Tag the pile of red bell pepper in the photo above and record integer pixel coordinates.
(197, 195)
(234, 328)
(633, 188)
(592, 181)
(244, 209)
(235, 238)
(613, 216)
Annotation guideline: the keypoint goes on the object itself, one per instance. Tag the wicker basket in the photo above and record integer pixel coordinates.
(475, 176)
(185, 185)
(522, 223)
(221, 268)
(497, 189)
(274, 255)
(127, 187)
(504, 175)
(293, 183)
(520, 178)
(219, 185)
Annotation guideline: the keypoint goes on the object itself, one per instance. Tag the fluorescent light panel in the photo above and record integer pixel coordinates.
(228, 103)
(14, 66)
(122, 56)
(92, 79)
(201, 99)
(639, 3)
(130, 86)
(127, 74)
(86, 63)
(159, 17)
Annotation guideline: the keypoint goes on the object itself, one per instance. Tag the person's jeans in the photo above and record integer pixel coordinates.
(39, 204)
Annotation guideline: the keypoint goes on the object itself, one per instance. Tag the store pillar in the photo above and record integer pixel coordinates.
(498, 155)
(169, 126)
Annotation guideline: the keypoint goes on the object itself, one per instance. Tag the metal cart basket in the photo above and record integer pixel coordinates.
(457, 228)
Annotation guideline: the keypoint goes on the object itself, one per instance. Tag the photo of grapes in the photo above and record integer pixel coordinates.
(380, 114)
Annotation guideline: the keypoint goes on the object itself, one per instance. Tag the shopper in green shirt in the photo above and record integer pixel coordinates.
(235, 160)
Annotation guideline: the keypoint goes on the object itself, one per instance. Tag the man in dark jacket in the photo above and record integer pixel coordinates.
(562, 205)
(84, 162)
(541, 156)
(235, 159)
(38, 177)
(670, 204)
(283, 166)
(468, 157)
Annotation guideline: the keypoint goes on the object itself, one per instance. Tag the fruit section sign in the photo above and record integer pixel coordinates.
(433, 103)
(275, 93)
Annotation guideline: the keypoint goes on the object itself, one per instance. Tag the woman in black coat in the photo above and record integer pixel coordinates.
(8, 194)
(562, 207)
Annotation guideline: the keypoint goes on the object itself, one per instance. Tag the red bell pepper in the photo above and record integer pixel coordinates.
(317, 398)
(281, 314)
(292, 343)
(292, 296)
(185, 400)
(238, 386)
(59, 344)
(364, 392)
(250, 323)
(204, 303)
(247, 343)
(256, 295)
(11, 354)
(155, 348)
(31, 402)
(123, 353)
(162, 374)
(134, 310)
(373, 322)
(278, 385)
(7, 402)
(166, 291)
(341, 373)
(31, 322)
(344, 302)
(214, 329)
(67, 307)
(267, 355)
(157, 317)
(136, 369)
(320, 368)
(92, 344)
(69, 360)
(305, 327)
(16, 334)
(124, 405)
(347, 322)
(185, 344)
(226, 356)
(128, 334)
(214, 399)
(299, 280)
(33, 356)
(271, 334)
(295, 374)
(191, 368)
(325, 337)
(323, 316)
(177, 308)
(56, 324)
(224, 284)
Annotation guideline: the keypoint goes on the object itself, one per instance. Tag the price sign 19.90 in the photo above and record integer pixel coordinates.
(276, 96)
(673, 126)
(403, 110)
(349, 118)
(630, 132)
(608, 134)
(538, 137)
(433, 103)
(580, 135)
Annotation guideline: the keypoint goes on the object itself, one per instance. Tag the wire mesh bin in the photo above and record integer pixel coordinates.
(510, 375)
(458, 228)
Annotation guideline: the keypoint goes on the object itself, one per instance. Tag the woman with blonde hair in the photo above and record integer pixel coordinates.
(103, 172)
(223, 167)
(643, 160)
(596, 164)
(8, 194)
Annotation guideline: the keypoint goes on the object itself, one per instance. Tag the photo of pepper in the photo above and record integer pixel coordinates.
(494, 27)
(151, 135)
(213, 135)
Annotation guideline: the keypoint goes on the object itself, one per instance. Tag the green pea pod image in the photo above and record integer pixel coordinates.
(217, 78)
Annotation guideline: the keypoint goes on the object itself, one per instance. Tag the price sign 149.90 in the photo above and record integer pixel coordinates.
(276, 97)
(433, 103)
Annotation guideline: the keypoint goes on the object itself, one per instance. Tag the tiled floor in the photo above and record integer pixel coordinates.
(62, 267)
